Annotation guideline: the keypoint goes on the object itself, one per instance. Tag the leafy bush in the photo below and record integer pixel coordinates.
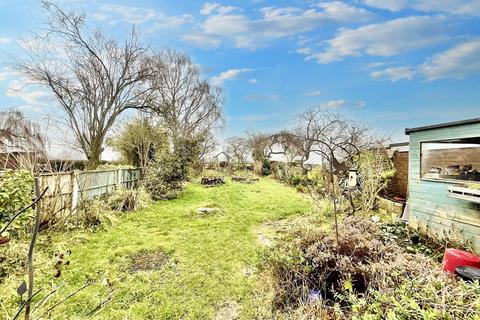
(124, 199)
(165, 176)
(375, 170)
(16, 192)
(295, 180)
(139, 142)
(266, 167)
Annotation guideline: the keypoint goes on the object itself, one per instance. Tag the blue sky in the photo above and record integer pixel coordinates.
(390, 63)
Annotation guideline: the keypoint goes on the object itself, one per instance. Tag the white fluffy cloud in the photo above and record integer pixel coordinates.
(4, 40)
(114, 14)
(229, 75)
(336, 104)
(305, 50)
(384, 39)
(394, 73)
(460, 7)
(313, 93)
(211, 7)
(225, 24)
(457, 62)
(253, 81)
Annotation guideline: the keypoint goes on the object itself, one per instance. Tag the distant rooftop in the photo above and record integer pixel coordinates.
(442, 125)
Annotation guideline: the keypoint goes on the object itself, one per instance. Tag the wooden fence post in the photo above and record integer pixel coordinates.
(75, 191)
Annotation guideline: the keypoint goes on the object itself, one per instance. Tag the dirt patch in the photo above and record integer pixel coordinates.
(147, 261)
(230, 310)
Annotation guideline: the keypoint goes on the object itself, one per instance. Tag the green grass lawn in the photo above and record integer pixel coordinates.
(209, 257)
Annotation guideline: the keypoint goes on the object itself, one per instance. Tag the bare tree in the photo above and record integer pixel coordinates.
(258, 143)
(284, 143)
(187, 106)
(237, 149)
(329, 134)
(338, 141)
(94, 78)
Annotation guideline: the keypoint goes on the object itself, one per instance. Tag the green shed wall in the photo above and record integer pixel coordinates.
(430, 209)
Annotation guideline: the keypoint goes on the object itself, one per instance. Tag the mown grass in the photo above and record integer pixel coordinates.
(208, 256)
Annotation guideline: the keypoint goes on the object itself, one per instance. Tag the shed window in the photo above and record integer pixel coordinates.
(453, 159)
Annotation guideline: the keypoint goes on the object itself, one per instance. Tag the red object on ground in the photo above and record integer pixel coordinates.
(455, 257)
(3, 240)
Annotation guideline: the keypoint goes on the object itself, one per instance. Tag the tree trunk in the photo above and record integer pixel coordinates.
(93, 160)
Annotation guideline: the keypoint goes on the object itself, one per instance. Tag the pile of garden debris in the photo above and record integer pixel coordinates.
(243, 179)
(212, 181)
(367, 275)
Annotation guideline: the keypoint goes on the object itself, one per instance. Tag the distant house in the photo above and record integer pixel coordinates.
(444, 180)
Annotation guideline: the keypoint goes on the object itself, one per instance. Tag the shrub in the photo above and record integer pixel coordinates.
(367, 275)
(295, 180)
(124, 199)
(266, 167)
(93, 213)
(165, 176)
(375, 170)
(139, 142)
(16, 192)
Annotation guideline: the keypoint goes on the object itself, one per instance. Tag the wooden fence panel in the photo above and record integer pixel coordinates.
(71, 188)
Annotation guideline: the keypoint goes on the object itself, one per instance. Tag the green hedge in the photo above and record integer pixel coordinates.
(16, 191)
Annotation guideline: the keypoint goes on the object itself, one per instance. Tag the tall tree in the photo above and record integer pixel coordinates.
(93, 77)
(187, 105)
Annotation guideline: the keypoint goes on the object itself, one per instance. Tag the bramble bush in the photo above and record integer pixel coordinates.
(368, 275)
(16, 192)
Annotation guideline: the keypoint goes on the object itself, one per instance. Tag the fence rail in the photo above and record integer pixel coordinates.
(69, 189)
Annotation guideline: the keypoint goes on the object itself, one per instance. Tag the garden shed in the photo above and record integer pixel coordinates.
(444, 180)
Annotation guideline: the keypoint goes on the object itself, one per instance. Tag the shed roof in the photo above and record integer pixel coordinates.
(442, 125)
